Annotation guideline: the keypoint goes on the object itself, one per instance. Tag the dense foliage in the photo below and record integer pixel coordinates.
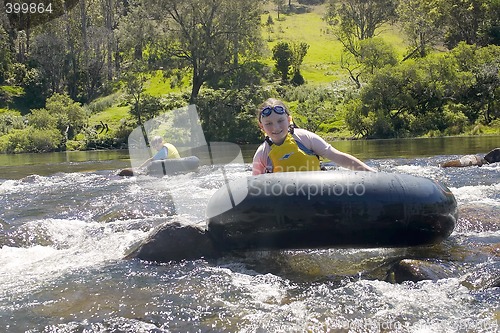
(442, 93)
(43, 130)
(102, 55)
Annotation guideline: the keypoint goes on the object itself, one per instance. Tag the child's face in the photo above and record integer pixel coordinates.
(276, 126)
(157, 145)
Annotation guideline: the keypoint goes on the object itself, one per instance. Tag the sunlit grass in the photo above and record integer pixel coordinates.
(112, 115)
(322, 64)
(157, 85)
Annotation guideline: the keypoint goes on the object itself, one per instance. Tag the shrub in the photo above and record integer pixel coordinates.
(46, 140)
(478, 129)
(311, 2)
(17, 142)
(9, 93)
(42, 119)
(298, 79)
(229, 115)
(70, 114)
(456, 121)
(31, 140)
(10, 120)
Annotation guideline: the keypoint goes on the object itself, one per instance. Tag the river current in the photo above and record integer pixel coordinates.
(63, 237)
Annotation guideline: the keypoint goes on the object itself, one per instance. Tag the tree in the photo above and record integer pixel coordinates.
(33, 83)
(352, 65)
(374, 53)
(209, 36)
(109, 25)
(480, 97)
(422, 21)
(299, 51)
(410, 98)
(356, 20)
(282, 55)
(137, 31)
(289, 56)
(471, 21)
(134, 85)
(5, 55)
(49, 53)
(269, 26)
(280, 5)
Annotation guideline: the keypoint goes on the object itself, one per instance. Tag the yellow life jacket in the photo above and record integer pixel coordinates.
(290, 156)
(172, 151)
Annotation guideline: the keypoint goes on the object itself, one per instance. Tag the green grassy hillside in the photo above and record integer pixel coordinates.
(321, 64)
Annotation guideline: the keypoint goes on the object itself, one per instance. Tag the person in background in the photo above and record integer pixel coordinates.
(164, 151)
(287, 148)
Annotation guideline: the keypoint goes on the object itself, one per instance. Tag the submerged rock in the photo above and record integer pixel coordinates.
(483, 277)
(478, 217)
(126, 173)
(418, 270)
(175, 241)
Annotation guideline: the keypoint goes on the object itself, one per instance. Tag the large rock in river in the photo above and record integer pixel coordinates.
(175, 241)
(474, 160)
(465, 161)
(493, 156)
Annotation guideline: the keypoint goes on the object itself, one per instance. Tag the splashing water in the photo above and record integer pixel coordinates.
(63, 238)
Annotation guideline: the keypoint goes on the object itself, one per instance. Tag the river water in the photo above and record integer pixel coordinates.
(66, 221)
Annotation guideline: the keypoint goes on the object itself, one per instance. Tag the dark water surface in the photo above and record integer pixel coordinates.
(21, 165)
(66, 221)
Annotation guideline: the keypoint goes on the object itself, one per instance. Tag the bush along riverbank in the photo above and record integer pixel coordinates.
(334, 111)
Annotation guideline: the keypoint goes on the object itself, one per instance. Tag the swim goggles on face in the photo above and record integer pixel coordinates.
(266, 112)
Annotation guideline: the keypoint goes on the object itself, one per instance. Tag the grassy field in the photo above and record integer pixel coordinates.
(112, 115)
(322, 63)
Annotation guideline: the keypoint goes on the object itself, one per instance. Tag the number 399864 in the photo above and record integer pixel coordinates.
(28, 8)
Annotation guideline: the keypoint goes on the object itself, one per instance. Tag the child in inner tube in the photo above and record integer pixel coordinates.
(287, 148)
(164, 151)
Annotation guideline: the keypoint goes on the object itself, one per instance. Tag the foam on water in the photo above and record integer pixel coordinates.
(266, 302)
(75, 245)
(432, 172)
(65, 236)
(479, 194)
(440, 306)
